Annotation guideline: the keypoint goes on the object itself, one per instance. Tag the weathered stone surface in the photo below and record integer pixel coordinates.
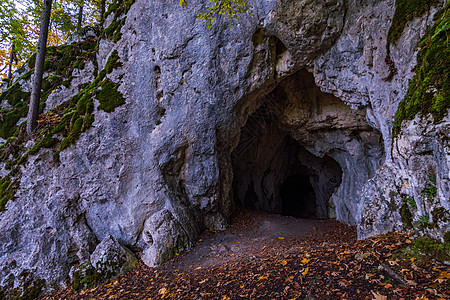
(108, 260)
(112, 258)
(419, 174)
(62, 93)
(164, 237)
(159, 169)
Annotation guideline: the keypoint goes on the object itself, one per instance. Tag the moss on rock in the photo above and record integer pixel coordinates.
(113, 62)
(428, 247)
(405, 11)
(9, 120)
(109, 97)
(8, 188)
(429, 89)
(120, 8)
(405, 213)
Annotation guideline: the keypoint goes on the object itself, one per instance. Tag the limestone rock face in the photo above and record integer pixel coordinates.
(111, 257)
(414, 190)
(211, 118)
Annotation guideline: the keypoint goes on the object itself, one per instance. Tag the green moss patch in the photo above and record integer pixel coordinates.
(119, 8)
(28, 289)
(425, 247)
(109, 97)
(62, 126)
(406, 11)
(8, 188)
(14, 95)
(429, 89)
(406, 214)
(113, 62)
(9, 120)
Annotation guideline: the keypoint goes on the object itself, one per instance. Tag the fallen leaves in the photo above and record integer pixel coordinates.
(291, 269)
(305, 261)
(378, 296)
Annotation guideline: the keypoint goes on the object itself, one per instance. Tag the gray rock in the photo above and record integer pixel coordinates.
(164, 237)
(111, 258)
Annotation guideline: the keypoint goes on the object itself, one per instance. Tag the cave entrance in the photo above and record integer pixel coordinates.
(303, 152)
(275, 173)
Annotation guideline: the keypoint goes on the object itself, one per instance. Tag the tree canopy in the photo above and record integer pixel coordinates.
(231, 8)
(20, 20)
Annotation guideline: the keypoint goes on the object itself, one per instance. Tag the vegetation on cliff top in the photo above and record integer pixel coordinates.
(67, 121)
(429, 89)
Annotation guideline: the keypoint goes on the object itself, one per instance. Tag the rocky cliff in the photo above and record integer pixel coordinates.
(152, 130)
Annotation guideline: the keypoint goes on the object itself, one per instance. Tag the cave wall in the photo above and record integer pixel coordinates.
(158, 170)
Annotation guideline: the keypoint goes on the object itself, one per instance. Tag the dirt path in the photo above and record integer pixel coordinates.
(252, 231)
(264, 256)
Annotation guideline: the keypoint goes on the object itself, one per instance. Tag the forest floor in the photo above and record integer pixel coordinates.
(266, 256)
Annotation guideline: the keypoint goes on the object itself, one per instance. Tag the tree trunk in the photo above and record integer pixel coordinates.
(33, 109)
(11, 60)
(102, 12)
(80, 17)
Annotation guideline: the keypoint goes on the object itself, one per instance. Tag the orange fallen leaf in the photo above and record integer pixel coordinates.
(305, 272)
(305, 261)
(283, 262)
(378, 296)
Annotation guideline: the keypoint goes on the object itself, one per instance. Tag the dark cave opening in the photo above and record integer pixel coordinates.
(298, 198)
(275, 173)
(278, 175)
(303, 152)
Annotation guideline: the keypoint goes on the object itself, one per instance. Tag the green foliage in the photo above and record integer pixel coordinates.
(430, 189)
(231, 8)
(411, 203)
(109, 97)
(429, 89)
(424, 221)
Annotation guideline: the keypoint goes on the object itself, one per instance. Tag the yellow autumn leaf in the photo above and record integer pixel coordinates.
(283, 262)
(281, 238)
(305, 272)
(305, 261)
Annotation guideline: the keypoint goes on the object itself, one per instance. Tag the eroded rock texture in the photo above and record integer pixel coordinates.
(293, 94)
